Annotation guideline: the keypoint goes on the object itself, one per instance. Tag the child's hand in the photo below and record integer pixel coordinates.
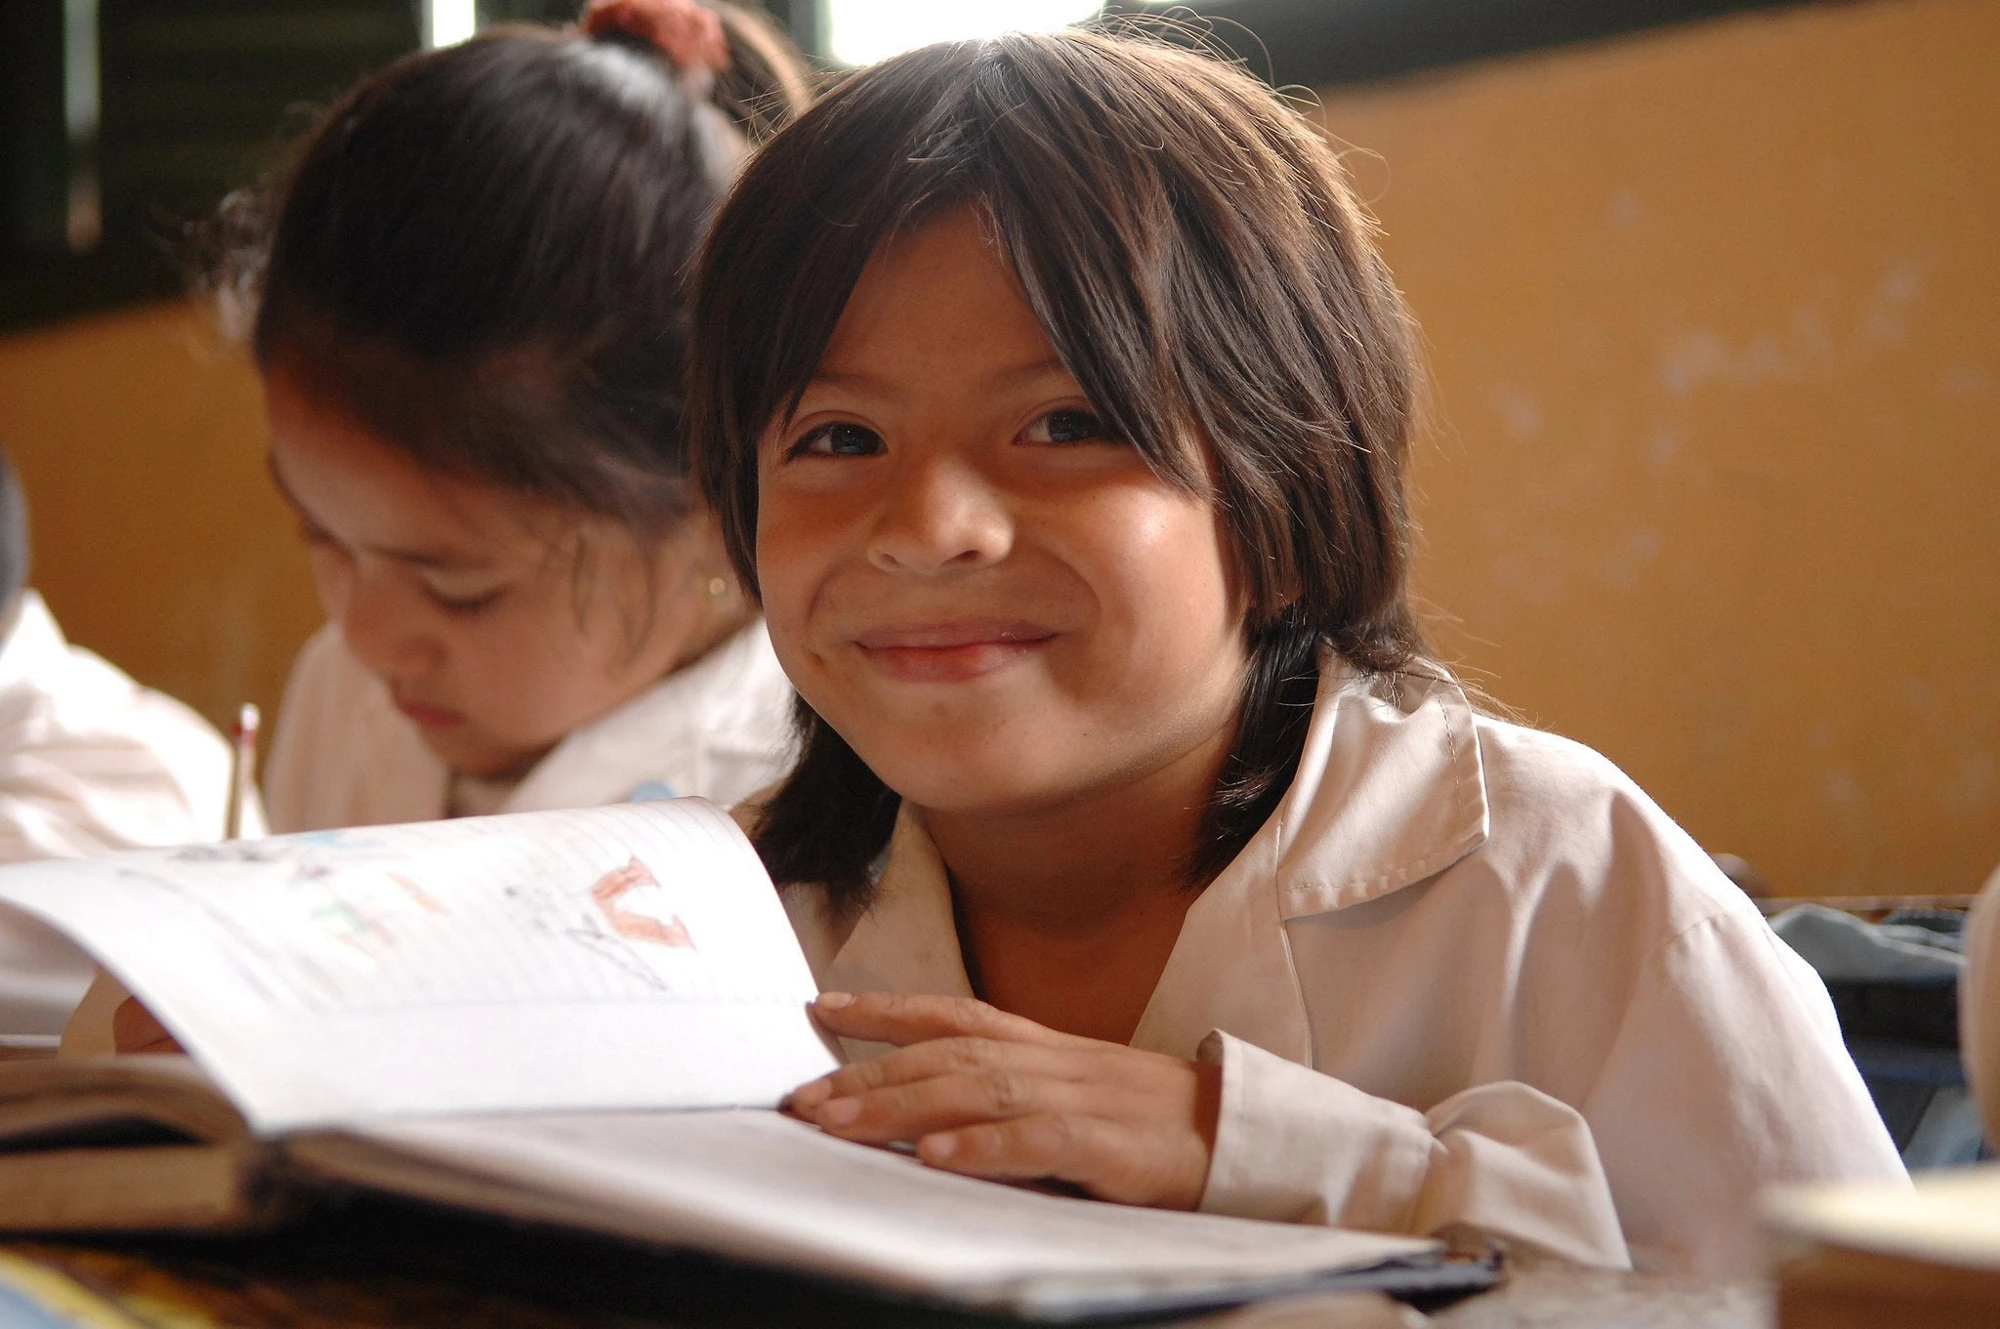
(996, 1095)
(133, 1029)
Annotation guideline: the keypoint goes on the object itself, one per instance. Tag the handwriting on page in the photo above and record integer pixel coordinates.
(338, 921)
(631, 956)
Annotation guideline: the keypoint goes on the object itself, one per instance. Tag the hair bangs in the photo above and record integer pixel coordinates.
(954, 127)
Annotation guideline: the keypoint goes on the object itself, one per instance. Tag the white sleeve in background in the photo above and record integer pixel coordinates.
(90, 762)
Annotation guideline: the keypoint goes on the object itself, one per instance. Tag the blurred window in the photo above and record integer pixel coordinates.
(448, 22)
(124, 122)
(860, 32)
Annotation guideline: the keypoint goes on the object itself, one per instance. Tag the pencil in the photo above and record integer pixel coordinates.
(242, 768)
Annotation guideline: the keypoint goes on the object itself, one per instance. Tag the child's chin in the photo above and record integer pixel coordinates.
(978, 784)
(479, 759)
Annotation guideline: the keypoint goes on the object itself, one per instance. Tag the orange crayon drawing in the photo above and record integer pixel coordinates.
(417, 893)
(637, 927)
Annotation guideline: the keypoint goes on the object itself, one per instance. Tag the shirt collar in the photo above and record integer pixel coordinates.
(906, 940)
(663, 726)
(1389, 791)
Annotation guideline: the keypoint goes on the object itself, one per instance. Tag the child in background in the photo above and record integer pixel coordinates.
(469, 321)
(1054, 400)
(90, 762)
(469, 318)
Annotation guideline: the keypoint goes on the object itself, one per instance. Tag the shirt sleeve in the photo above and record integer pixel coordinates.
(1727, 1075)
(1658, 1166)
(1503, 1160)
(74, 795)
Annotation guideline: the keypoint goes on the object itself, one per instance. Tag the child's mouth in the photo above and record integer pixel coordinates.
(426, 716)
(949, 652)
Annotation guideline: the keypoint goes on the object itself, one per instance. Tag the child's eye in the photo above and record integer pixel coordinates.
(464, 604)
(842, 438)
(1071, 424)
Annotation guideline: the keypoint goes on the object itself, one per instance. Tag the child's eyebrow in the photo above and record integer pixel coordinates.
(1047, 366)
(416, 557)
(285, 490)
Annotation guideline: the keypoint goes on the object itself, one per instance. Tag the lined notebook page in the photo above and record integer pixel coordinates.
(764, 1187)
(619, 957)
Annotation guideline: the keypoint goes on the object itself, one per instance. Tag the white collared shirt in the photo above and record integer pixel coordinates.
(345, 756)
(1467, 976)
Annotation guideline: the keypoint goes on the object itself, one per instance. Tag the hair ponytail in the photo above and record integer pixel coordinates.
(748, 70)
(766, 84)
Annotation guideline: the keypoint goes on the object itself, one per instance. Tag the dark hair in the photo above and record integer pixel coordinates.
(1194, 253)
(481, 254)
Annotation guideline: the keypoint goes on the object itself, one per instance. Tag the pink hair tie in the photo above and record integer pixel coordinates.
(690, 36)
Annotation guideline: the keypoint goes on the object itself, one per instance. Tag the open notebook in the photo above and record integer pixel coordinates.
(582, 1018)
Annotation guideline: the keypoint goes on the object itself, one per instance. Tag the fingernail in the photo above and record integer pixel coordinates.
(937, 1148)
(833, 1001)
(840, 1112)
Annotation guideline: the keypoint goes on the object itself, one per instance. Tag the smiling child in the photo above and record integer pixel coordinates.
(1054, 401)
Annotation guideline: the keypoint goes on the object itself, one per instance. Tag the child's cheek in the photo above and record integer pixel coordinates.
(787, 577)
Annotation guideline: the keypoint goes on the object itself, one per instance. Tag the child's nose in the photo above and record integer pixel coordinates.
(384, 631)
(940, 516)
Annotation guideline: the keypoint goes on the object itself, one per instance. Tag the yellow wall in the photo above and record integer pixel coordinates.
(139, 440)
(1714, 317)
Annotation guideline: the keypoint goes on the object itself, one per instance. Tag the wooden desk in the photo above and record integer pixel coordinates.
(395, 1268)
(1559, 1297)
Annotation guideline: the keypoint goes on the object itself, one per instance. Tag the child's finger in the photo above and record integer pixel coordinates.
(937, 1058)
(135, 1029)
(903, 1018)
(925, 1107)
(1104, 1157)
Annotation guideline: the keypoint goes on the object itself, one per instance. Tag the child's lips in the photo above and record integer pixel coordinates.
(949, 652)
(426, 716)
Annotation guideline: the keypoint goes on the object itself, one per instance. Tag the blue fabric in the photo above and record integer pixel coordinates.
(1895, 987)
(1843, 947)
